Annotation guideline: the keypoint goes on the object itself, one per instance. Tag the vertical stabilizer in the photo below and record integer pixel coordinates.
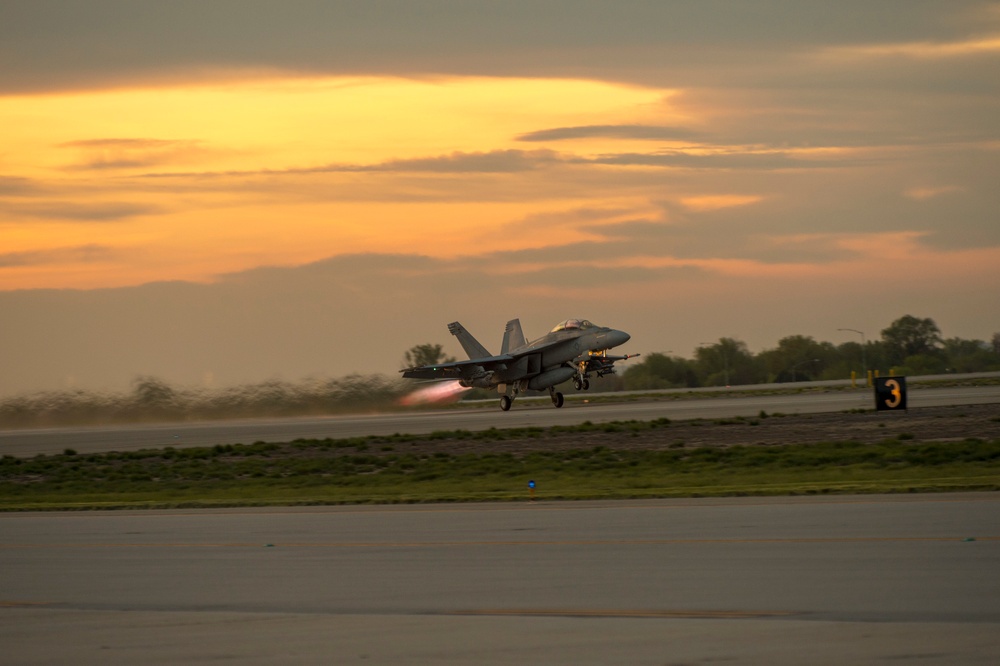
(469, 343)
(513, 337)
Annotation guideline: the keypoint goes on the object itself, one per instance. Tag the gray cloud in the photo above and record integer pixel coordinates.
(958, 220)
(364, 266)
(767, 161)
(587, 276)
(781, 130)
(518, 161)
(80, 212)
(701, 237)
(126, 143)
(49, 44)
(587, 252)
(131, 153)
(643, 132)
(17, 186)
(80, 254)
(495, 161)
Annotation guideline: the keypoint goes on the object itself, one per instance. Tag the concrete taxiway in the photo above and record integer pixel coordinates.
(30, 442)
(859, 580)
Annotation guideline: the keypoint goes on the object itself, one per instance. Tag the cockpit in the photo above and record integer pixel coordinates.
(571, 324)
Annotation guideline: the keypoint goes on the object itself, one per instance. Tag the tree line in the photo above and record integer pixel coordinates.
(152, 399)
(908, 346)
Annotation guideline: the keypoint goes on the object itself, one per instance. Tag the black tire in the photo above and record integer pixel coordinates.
(505, 403)
(557, 399)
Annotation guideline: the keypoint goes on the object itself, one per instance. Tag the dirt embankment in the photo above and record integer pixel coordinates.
(917, 425)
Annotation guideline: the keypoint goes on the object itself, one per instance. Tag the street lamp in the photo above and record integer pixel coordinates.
(811, 360)
(864, 363)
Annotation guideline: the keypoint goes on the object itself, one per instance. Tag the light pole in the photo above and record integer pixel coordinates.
(864, 362)
(811, 360)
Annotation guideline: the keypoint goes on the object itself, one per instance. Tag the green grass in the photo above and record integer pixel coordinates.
(392, 469)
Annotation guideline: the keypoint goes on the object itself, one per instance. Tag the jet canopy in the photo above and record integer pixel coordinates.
(571, 324)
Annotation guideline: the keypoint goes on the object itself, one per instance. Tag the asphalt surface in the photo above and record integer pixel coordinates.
(845, 580)
(31, 442)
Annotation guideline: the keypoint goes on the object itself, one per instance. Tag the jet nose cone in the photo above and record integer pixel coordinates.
(616, 338)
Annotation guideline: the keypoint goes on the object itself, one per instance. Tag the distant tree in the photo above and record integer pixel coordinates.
(726, 362)
(910, 336)
(154, 398)
(153, 392)
(797, 357)
(922, 364)
(878, 355)
(659, 371)
(426, 354)
(851, 357)
(970, 355)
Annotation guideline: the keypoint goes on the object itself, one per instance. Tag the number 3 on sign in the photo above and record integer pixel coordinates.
(895, 392)
(890, 393)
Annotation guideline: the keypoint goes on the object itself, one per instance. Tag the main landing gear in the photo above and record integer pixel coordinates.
(557, 399)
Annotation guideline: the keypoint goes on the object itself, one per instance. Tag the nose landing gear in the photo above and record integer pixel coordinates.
(557, 397)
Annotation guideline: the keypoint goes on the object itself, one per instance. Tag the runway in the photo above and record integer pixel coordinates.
(859, 580)
(31, 442)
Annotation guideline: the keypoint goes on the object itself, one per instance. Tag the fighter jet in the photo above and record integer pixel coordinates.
(572, 350)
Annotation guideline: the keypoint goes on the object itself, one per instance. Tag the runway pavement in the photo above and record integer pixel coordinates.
(845, 580)
(30, 442)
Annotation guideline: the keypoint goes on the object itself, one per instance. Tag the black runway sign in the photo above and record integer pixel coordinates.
(890, 393)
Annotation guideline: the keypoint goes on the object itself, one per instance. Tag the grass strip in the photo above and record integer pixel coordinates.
(370, 470)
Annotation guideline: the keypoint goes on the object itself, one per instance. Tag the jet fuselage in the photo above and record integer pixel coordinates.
(571, 350)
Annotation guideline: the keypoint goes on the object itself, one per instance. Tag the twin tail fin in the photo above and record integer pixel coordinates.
(469, 343)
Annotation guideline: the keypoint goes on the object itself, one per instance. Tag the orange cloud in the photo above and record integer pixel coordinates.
(921, 193)
(918, 50)
(282, 171)
(717, 201)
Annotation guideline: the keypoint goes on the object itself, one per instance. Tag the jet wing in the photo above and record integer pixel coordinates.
(471, 369)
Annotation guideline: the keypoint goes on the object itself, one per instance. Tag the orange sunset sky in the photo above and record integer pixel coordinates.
(233, 191)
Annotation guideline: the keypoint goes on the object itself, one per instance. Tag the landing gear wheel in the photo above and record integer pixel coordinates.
(557, 399)
(577, 384)
(505, 403)
(586, 384)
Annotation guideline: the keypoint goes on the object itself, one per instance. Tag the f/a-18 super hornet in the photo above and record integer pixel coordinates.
(572, 350)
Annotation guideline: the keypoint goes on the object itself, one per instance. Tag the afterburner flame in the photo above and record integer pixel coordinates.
(437, 393)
